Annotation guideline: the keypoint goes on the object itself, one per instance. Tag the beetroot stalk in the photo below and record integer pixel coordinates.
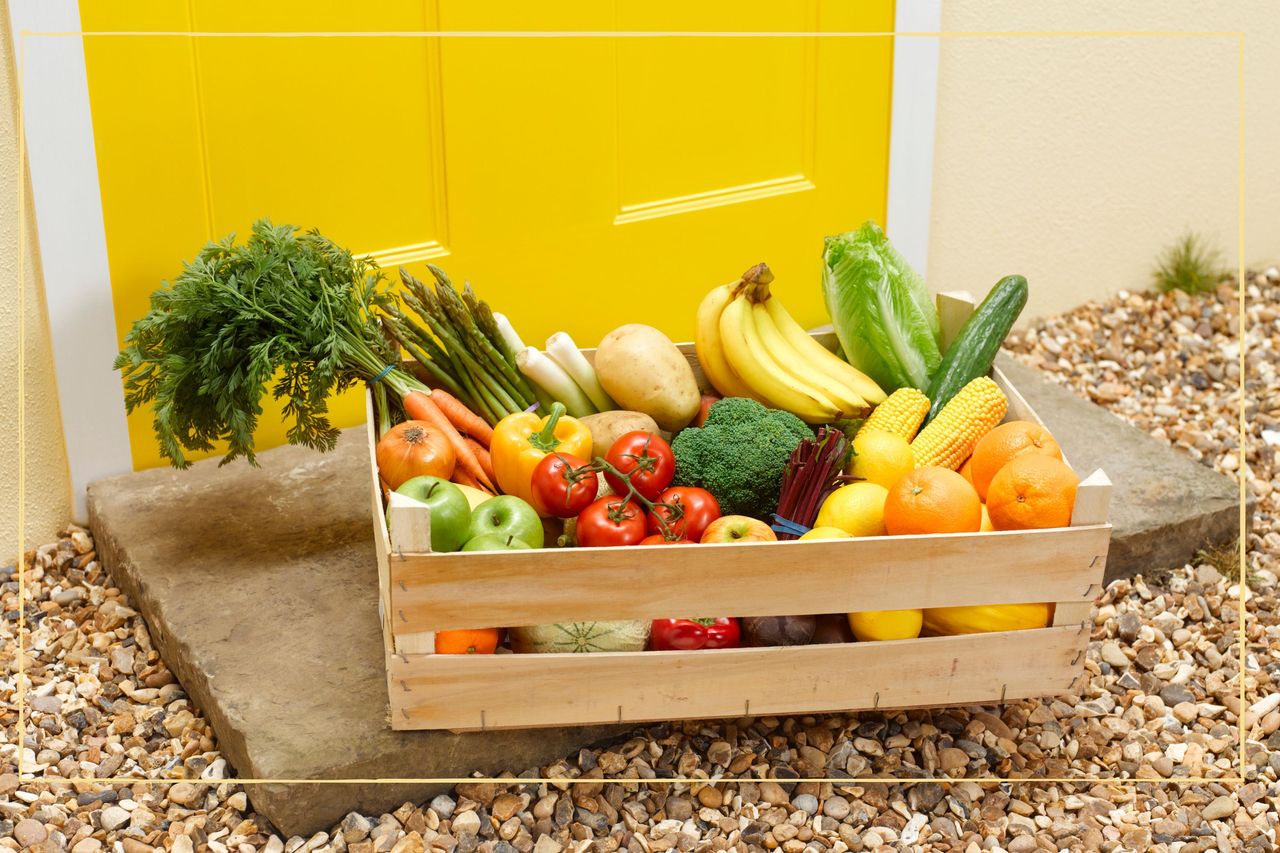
(813, 472)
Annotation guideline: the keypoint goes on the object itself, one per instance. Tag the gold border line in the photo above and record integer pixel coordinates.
(683, 780)
(525, 34)
(21, 738)
(1241, 287)
(507, 781)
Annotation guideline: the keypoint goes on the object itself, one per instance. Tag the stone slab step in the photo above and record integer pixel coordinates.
(260, 589)
(1165, 506)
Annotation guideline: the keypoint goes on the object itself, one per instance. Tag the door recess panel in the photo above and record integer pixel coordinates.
(343, 133)
(704, 122)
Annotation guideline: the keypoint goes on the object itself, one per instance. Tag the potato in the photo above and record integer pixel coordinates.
(643, 371)
(608, 427)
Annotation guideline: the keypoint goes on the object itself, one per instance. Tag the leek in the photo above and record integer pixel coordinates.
(564, 352)
(552, 378)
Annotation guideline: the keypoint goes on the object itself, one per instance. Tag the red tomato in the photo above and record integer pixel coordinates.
(553, 485)
(647, 458)
(659, 539)
(609, 522)
(699, 506)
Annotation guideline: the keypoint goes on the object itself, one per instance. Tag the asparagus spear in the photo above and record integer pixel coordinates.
(428, 306)
(455, 310)
(459, 353)
(405, 338)
(488, 326)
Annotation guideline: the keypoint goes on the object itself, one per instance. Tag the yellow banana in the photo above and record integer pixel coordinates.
(710, 348)
(804, 370)
(746, 353)
(823, 359)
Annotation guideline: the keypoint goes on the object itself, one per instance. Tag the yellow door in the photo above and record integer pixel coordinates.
(577, 182)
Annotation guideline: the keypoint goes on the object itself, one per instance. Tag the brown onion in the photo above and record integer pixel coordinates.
(414, 449)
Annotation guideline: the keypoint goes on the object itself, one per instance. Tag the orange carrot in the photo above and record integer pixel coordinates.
(420, 407)
(462, 478)
(483, 455)
(463, 418)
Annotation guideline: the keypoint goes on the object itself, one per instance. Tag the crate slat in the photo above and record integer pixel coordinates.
(438, 592)
(463, 692)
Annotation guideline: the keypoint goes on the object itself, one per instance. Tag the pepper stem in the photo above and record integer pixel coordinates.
(546, 440)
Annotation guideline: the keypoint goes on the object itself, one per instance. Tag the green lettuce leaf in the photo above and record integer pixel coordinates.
(881, 309)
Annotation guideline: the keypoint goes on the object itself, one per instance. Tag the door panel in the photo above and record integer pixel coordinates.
(578, 183)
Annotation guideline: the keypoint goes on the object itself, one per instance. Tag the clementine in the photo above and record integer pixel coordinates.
(1032, 491)
(994, 450)
(932, 500)
(479, 641)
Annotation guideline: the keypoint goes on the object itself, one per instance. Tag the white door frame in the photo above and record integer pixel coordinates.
(73, 247)
(68, 208)
(912, 123)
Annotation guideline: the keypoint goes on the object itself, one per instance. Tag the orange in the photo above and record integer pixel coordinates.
(932, 500)
(1032, 491)
(479, 641)
(994, 450)
(966, 470)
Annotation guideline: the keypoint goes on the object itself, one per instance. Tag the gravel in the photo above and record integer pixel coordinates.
(1169, 364)
(1157, 703)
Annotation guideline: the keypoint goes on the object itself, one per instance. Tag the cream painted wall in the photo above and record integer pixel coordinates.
(48, 487)
(1075, 160)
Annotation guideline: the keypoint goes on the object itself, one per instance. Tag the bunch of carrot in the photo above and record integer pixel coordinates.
(466, 431)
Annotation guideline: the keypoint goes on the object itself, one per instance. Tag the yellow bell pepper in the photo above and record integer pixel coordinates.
(520, 442)
(871, 625)
(946, 621)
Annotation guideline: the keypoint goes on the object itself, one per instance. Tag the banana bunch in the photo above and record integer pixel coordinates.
(750, 346)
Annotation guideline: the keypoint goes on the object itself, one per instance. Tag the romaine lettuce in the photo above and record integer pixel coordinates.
(881, 309)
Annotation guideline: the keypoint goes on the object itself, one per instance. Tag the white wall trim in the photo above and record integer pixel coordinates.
(912, 124)
(73, 249)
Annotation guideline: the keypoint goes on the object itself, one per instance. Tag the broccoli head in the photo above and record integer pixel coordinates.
(739, 455)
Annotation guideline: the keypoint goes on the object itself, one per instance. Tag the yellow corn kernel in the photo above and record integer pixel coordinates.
(900, 414)
(950, 437)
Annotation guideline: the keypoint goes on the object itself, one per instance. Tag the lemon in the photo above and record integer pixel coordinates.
(881, 457)
(886, 624)
(857, 509)
(825, 533)
(986, 521)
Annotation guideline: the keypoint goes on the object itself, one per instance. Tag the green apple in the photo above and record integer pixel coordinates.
(507, 515)
(494, 542)
(450, 511)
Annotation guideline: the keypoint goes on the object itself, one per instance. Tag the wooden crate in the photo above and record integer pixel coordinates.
(422, 592)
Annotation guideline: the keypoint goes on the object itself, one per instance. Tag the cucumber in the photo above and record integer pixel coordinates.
(974, 349)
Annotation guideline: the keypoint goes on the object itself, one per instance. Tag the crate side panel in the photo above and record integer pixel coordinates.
(381, 544)
(516, 691)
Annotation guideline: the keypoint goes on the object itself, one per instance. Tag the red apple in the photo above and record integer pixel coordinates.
(708, 400)
(738, 528)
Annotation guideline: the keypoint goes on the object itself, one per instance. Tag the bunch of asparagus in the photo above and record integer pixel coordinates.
(456, 339)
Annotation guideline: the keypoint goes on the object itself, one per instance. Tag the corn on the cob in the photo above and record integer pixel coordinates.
(949, 438)
(900, 414)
